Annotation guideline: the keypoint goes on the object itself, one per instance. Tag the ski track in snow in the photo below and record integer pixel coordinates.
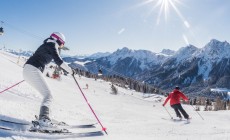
(127, 116)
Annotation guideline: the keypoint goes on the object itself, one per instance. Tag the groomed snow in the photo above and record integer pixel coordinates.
(127, 116)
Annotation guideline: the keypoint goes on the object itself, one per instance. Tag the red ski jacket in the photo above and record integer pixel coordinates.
(174, 97)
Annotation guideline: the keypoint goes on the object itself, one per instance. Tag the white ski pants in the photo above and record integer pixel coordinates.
(35, 78)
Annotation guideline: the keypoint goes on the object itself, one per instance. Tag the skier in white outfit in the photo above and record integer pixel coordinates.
(34, 67)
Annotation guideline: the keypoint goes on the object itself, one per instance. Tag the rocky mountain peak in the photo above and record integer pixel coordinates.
(168, 52)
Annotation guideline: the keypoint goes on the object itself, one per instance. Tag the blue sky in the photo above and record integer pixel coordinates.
(92, 26)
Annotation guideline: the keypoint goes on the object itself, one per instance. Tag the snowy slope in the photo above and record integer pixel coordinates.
(127, 116)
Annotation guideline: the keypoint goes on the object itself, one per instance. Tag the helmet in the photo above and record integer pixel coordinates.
(177, 87)
(59, 37)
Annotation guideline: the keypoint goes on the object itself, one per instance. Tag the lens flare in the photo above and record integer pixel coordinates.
(165, 7)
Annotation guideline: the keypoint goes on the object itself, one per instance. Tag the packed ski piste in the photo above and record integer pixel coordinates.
(35, 106)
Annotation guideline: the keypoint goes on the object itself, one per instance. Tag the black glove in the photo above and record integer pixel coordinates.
(74, 72)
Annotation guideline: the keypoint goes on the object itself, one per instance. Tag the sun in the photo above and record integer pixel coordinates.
(164, 7)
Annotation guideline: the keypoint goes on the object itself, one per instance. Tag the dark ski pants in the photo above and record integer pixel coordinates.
(178, 108)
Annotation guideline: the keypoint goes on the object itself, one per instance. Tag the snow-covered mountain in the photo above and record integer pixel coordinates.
(168, 52)
(128, 62)
(18, 52)
(143, 56)
(79, 61)
(87, 57)
(191, 68)
(98, 55)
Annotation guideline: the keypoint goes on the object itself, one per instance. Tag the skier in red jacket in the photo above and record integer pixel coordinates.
(174, 97)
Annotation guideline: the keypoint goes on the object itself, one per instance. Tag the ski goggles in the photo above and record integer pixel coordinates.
(58, 38)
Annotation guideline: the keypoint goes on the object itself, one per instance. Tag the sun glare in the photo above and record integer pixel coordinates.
(164, 7)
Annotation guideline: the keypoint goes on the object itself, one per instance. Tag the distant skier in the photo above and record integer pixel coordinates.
(34, 67)
(174, 97)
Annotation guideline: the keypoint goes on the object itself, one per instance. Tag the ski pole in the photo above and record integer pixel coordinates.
(103, 128)
(168, 112)
(12, 86)
(197, 112)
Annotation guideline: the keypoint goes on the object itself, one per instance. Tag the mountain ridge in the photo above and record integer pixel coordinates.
(189, 67)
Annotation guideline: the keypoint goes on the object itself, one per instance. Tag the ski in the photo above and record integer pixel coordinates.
(62, 124)
(186, 121)
(50, 134)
